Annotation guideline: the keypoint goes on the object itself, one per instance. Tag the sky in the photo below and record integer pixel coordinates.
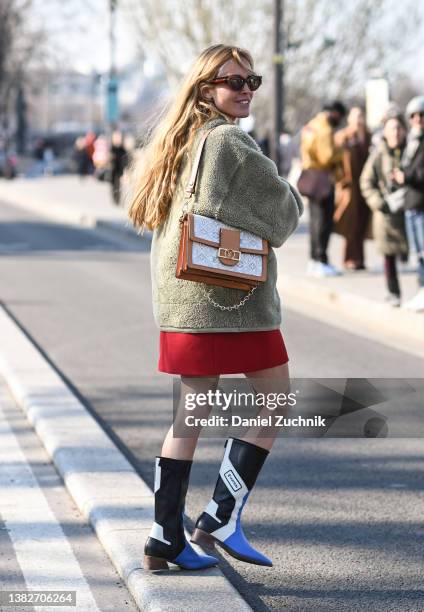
(80, 29)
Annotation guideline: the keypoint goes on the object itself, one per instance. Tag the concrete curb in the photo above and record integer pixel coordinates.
(105, 487)
(401, 329)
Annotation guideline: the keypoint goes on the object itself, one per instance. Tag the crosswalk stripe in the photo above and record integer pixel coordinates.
(43, 552)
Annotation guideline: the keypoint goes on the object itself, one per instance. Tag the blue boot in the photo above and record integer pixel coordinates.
(167, 541)
(220, 521)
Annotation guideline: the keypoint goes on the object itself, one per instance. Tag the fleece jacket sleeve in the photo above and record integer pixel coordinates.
(250, 195)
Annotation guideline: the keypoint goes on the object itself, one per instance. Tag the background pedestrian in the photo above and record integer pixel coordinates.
(81, 157)
(412, 176)
(352, 215)
(378, 185)
(118, 163)
(320, 158)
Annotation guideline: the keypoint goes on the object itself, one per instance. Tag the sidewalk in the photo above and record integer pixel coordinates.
(67, 199)
(353, 301)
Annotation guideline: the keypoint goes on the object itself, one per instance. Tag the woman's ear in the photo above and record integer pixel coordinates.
(205, 92)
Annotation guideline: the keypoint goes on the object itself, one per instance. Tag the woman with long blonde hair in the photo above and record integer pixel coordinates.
(206, 332)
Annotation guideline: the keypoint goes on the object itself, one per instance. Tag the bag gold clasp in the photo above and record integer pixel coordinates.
(229, 254)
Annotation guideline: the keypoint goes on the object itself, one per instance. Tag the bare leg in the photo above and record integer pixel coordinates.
(183, 448)
(271, 380)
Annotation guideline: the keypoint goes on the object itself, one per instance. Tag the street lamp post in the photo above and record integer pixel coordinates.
(278, 97)
(112, 87)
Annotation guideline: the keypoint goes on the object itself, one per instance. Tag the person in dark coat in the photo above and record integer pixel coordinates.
(352, 215)
(82, 157)
(118, 163)
(411, 175)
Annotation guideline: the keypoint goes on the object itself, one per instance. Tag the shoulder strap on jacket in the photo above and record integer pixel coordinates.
(191, 185)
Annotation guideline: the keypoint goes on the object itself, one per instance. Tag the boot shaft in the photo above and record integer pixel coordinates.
(171, 483)
(246, 458)
(239, 470)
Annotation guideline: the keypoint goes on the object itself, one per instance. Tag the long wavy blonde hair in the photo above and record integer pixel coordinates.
(161, 159)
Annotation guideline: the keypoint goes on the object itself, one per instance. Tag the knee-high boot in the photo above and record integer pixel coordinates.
(220, 522)
(167, 541)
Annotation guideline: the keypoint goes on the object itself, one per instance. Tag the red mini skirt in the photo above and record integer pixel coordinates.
(210, 354)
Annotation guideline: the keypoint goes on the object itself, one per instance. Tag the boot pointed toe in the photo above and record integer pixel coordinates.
(238, 547)
(190, 559)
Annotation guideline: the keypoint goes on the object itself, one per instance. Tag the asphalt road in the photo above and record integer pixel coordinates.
(341, 518)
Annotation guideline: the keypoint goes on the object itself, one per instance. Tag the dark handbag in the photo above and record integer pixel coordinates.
(315, 184)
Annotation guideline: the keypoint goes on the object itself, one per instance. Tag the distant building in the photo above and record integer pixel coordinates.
(71, 101)
(63, 101)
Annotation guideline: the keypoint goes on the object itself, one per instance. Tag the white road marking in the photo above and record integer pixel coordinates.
(43, 552)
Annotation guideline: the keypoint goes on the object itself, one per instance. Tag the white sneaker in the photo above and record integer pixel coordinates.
(331, 270)
(417, 302)
(312, 265)
(322, 270)
(393, 299)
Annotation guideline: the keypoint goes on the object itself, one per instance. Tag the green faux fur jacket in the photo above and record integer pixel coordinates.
(242, 185)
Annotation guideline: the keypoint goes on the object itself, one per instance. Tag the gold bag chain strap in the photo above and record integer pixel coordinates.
(234, 306)
(190, 190)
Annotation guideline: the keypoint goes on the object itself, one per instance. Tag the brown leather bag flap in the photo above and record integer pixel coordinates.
(229, 246)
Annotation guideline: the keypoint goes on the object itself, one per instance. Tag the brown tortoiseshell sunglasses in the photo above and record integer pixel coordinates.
(236, 82)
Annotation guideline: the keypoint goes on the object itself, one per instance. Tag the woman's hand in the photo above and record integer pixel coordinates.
(398, 176)
(341, 137)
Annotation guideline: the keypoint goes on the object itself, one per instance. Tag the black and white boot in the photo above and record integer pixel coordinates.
(167, 541)
(220, 521)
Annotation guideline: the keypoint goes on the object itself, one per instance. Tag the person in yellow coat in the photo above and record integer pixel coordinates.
(321, 158)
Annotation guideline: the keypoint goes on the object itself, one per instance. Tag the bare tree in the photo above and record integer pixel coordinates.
(404, 89)
(342, 44)
(331, 46)
(175, 31)
(19, 45)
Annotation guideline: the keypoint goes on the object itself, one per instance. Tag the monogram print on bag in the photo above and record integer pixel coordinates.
(232, 480)
(207, 228)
